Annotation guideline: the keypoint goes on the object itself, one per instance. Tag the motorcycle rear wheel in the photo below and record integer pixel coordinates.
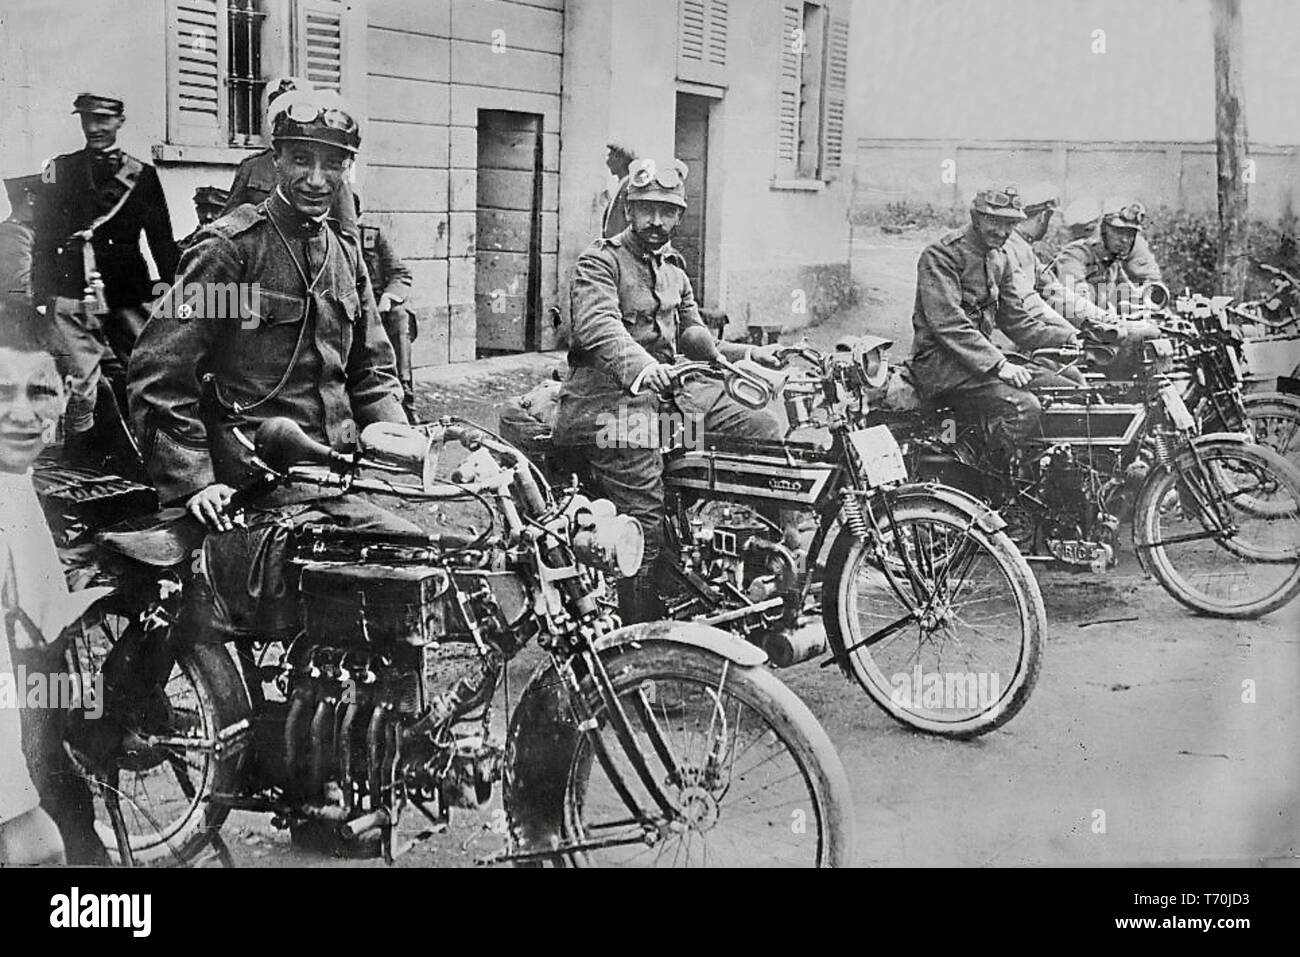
(759, 783)
(992, 639)
(164, 790)
(1212, 575)
(1274, 419)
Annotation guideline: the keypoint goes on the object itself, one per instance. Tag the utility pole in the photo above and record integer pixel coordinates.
(1230, 146)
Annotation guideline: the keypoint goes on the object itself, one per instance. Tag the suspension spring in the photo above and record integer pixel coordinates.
(1163, 447)
(853, 517)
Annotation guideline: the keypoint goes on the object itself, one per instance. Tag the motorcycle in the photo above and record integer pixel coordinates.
(1213, 514)
(925, 601)
(662, 744)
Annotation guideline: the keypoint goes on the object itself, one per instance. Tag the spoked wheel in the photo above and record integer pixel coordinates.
(156, 754)
(943, 627)
(750, 777)
(1274, 421)
(1239, 558)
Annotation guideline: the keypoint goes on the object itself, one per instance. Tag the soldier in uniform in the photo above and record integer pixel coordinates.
(256, 177)
(630, 302)
(391, 278)
(314, 350)
(966, 287)
(16, 236)
(209, 201)
(106, 197)
(1098, 264)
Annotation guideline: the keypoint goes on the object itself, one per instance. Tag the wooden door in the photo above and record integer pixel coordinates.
(692, 142)
(508, 231)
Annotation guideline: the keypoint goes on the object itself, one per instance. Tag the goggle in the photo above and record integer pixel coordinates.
(1134, 214)
(330, 116)
(643, 172)
(1001, 198)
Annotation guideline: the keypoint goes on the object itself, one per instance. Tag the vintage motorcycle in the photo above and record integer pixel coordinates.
(926, 602)
(656, 744)
(1214, 515)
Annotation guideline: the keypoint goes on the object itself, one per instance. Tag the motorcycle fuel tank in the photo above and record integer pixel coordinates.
(767, 478)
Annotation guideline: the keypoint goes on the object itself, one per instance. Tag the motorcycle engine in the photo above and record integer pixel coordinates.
(1075, 527)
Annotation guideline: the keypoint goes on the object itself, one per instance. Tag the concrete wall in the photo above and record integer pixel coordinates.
(1013, 90)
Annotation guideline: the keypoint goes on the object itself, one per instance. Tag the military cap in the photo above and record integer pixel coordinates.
(649, 184)
(999, 202)
(211, 196)
(1038, 197)
(1131, 216)
(101, 105)
(17, 186)
(317, 116)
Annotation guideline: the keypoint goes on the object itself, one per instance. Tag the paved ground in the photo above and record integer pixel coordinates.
(1137, 747)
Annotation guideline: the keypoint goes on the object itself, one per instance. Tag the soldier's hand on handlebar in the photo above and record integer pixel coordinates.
(658, 378)
(765, 355)
(1014, 374)
(209, 507)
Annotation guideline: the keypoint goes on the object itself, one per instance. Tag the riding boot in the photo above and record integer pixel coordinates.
(639, 599)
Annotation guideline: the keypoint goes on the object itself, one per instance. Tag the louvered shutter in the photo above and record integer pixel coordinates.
(320, 43)
(196, 53)
(787, 108)
(702, 41)
(837, 69)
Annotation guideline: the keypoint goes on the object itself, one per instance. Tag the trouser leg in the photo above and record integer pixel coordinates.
(633, 480)
(397, 324)
(64, 793)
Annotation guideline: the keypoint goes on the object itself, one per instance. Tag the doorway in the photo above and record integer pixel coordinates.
(508, 231)
(692, 148)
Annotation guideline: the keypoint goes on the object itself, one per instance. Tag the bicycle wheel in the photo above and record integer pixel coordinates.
(944, 628)
(752, 778)
(1274, 420)
(158, 750)
(1240, 562)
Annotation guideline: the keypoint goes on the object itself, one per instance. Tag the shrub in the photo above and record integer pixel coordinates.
(906, 213)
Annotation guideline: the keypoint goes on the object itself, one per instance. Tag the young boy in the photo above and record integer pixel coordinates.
(31, 588)
(35, 607)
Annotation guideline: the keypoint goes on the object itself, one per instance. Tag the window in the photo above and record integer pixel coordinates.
(702, 41)
(811, 92)
(221, 53)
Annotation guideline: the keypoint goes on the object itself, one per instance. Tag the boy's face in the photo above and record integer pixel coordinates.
(31, 400)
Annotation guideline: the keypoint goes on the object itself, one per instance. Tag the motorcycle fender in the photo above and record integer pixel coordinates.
(544, 735)
(986, 518)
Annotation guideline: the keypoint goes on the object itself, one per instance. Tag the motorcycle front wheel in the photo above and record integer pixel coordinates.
(941, 622)
(1274, 420)
(158, 754)
(752, 777)
(1221, 529)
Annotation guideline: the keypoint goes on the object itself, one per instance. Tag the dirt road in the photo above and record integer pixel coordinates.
(1153, 737)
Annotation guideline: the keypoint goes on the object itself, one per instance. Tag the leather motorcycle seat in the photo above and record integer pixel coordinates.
(170, 538)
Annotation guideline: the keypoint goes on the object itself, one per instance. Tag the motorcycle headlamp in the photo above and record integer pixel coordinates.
(866, 356)
(604, 539)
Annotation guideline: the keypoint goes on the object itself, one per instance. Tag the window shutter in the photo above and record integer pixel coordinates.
(320, 43)
(837, 72)
(702, 41)
(787, 111)
(196, 55)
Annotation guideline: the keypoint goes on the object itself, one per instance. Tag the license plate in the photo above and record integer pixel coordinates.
(882, 459)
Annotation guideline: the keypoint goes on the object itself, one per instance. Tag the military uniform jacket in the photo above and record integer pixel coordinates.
(255, 181)
(964, 291)
(342, 379)
(70, 199)
(628, 307)
(388, 274)
(1044, 295)
(16, 263)
(1085, 267)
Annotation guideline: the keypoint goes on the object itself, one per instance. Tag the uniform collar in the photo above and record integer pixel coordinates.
(289, 219)
(633, 243)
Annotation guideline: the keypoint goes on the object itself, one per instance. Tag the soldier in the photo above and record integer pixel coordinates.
(617, 161)
(1098, 264)
(1044, 296)
(314, 351)
(16, 237)
(256, 177)
(630, 302)
(392, 279)
(90, 212)
(209, 201)
(966, 287)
